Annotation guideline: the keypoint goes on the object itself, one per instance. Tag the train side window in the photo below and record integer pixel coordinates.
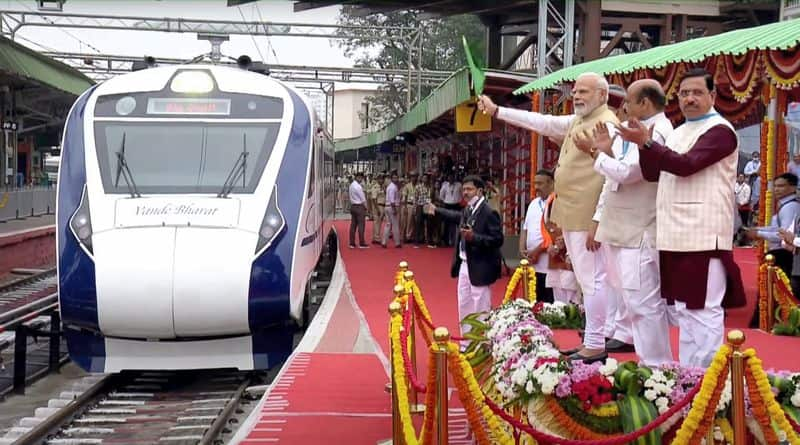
(313, 171)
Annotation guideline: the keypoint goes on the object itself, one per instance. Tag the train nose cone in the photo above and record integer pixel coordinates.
(212, 277)
(134, 274)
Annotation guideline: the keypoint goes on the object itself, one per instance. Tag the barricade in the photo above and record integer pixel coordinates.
(20, 204)
(494, 424)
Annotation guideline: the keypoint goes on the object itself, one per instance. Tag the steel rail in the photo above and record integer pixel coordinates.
(53, 423)
(210, 436)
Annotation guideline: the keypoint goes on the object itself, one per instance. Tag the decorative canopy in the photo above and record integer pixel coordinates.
(773, 37)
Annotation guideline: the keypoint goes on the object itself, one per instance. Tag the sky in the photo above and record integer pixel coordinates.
(280, 50)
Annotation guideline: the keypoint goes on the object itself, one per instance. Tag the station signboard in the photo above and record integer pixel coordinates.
(471, 120)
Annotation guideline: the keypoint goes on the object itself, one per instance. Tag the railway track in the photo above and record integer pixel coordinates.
(146, 407)
(26, 294)
(28, 312)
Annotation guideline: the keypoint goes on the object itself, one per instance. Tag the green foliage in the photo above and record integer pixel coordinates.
(636, 412)
(604, 425)
(442, 50)
(789, 327)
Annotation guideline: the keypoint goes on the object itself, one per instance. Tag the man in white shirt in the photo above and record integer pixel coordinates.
(358, 211)
(450, 195)
(392, 214)
(794, 164)
(742, 192)
(533, 240)
(752, 167)
(626, 213)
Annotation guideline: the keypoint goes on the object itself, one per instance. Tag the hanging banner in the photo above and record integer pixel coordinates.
(470, 120)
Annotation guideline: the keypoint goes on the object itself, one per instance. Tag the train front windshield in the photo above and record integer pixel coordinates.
(183, 157)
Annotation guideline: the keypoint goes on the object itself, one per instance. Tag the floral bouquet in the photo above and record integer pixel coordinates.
(560, 315)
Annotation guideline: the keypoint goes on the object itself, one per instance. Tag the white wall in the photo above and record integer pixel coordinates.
(346, 106)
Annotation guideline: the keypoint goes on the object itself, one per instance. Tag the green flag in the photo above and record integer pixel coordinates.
(477, 74)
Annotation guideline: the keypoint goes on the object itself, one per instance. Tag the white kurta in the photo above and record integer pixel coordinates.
(640, 315)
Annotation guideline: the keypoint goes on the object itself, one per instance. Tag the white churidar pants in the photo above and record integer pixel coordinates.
(590, 272)
(702, 330)
(636, 275)
(393, 224)
(564, 285)
(471, 299)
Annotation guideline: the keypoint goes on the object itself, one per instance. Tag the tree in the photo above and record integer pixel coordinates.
(373, 47)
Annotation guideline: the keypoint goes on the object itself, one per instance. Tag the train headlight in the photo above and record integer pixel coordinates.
(81, 223)
(192, 81)
(272, 224)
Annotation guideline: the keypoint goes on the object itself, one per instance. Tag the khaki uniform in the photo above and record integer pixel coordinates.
(380, 209)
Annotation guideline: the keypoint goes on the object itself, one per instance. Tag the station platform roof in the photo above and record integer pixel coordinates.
(433, 115)
(20, 65)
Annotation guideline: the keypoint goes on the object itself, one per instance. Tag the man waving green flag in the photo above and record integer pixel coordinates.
(478, 77)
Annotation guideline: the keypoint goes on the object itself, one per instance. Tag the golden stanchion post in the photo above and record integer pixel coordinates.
(415, 406)
(402, 268)
(770, 260)
(442, 338)
(395, 308)
(523, 263)
(398, 293)
(735, 341)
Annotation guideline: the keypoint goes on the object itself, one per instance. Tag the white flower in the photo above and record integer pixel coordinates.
(609, 368)
(650, 394)
(796, 399)
(662, 403)
(529, 387)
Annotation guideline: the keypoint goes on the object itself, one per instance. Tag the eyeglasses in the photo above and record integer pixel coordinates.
(696, 93)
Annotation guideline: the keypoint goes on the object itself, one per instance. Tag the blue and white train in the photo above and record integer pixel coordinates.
(194, 202)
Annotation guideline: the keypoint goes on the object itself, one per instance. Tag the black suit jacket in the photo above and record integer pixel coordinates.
(483, 252)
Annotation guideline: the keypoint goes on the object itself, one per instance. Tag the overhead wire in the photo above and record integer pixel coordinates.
(61, 29)
(269, 42)
(251, 35)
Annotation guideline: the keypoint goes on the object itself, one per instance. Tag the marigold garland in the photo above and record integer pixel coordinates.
(566, 422)
(607, 410)
(400, 386)
(704, 401)
(759, 409)
(514, 282)
(472, 398)
(759, 377)
(784, 294)
(763, 294)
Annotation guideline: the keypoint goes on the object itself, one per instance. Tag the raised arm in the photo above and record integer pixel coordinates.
(716, 144)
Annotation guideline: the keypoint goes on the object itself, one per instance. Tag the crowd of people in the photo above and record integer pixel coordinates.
(395, 206)
(642, 214)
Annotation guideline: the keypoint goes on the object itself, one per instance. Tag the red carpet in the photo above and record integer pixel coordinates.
(371, 273)
(332, 395)
(325, 396)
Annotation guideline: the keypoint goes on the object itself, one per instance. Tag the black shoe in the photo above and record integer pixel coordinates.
(614, 345)
(570, 351)
(589, 359)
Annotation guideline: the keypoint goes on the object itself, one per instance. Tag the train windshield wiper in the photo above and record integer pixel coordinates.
(125, 171)
(238, 170)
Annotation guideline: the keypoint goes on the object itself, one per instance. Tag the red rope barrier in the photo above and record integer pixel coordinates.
(419, 387)
(540, 436)
(430, 325)
(792, 422)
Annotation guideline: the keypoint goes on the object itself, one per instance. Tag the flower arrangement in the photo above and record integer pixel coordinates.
(560, 315)
(602, 400)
